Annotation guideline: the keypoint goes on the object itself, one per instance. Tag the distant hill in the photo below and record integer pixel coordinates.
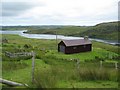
(102, 31)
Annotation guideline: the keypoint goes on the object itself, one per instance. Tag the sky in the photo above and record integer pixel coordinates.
(58, 12)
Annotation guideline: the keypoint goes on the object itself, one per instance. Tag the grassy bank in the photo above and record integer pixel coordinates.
(58, 70)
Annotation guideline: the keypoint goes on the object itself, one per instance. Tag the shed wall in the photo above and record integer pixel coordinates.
(77, 49)
(61, 47)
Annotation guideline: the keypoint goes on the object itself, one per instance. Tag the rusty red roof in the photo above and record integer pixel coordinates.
(76, 42)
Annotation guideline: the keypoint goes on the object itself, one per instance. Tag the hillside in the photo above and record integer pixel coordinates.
(103, 31)
(108, 31)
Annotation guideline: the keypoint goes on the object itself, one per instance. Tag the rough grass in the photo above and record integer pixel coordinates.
(59, 73)
(106, 47)
(62, 74)
(53, 69)
(96, 52)
(13, 65)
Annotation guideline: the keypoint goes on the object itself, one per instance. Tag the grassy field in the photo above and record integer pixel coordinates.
(58, 70)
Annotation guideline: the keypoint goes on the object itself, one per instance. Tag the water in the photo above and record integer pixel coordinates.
(19, 32)
(49, 36)
(38, 36)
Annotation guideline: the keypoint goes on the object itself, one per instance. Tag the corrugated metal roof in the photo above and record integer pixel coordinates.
(76, 42)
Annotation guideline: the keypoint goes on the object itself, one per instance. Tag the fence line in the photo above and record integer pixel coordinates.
(13, 55)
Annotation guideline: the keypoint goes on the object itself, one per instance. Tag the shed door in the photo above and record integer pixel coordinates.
(62, 48)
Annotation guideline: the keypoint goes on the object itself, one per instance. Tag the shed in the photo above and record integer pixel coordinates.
(75, 46)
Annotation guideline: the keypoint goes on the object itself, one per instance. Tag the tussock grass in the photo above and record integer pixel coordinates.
(45, 79)
(93, 74)
(13, 65)
(58, 73)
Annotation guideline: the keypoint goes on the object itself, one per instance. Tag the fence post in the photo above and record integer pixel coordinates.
(100, 64)
(78, 62)
(33, 65)
(116, 65)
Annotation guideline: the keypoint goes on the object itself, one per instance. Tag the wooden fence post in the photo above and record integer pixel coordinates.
(13, 55)
(10, 83)
(100, 64)
(78, 62)
(33, 65)
(116, 65)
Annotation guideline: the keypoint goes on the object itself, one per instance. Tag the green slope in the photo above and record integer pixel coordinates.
(57, 70)
(107, 30)
(102, 31)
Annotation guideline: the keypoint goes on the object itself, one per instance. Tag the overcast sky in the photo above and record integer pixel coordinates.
(58, 12)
